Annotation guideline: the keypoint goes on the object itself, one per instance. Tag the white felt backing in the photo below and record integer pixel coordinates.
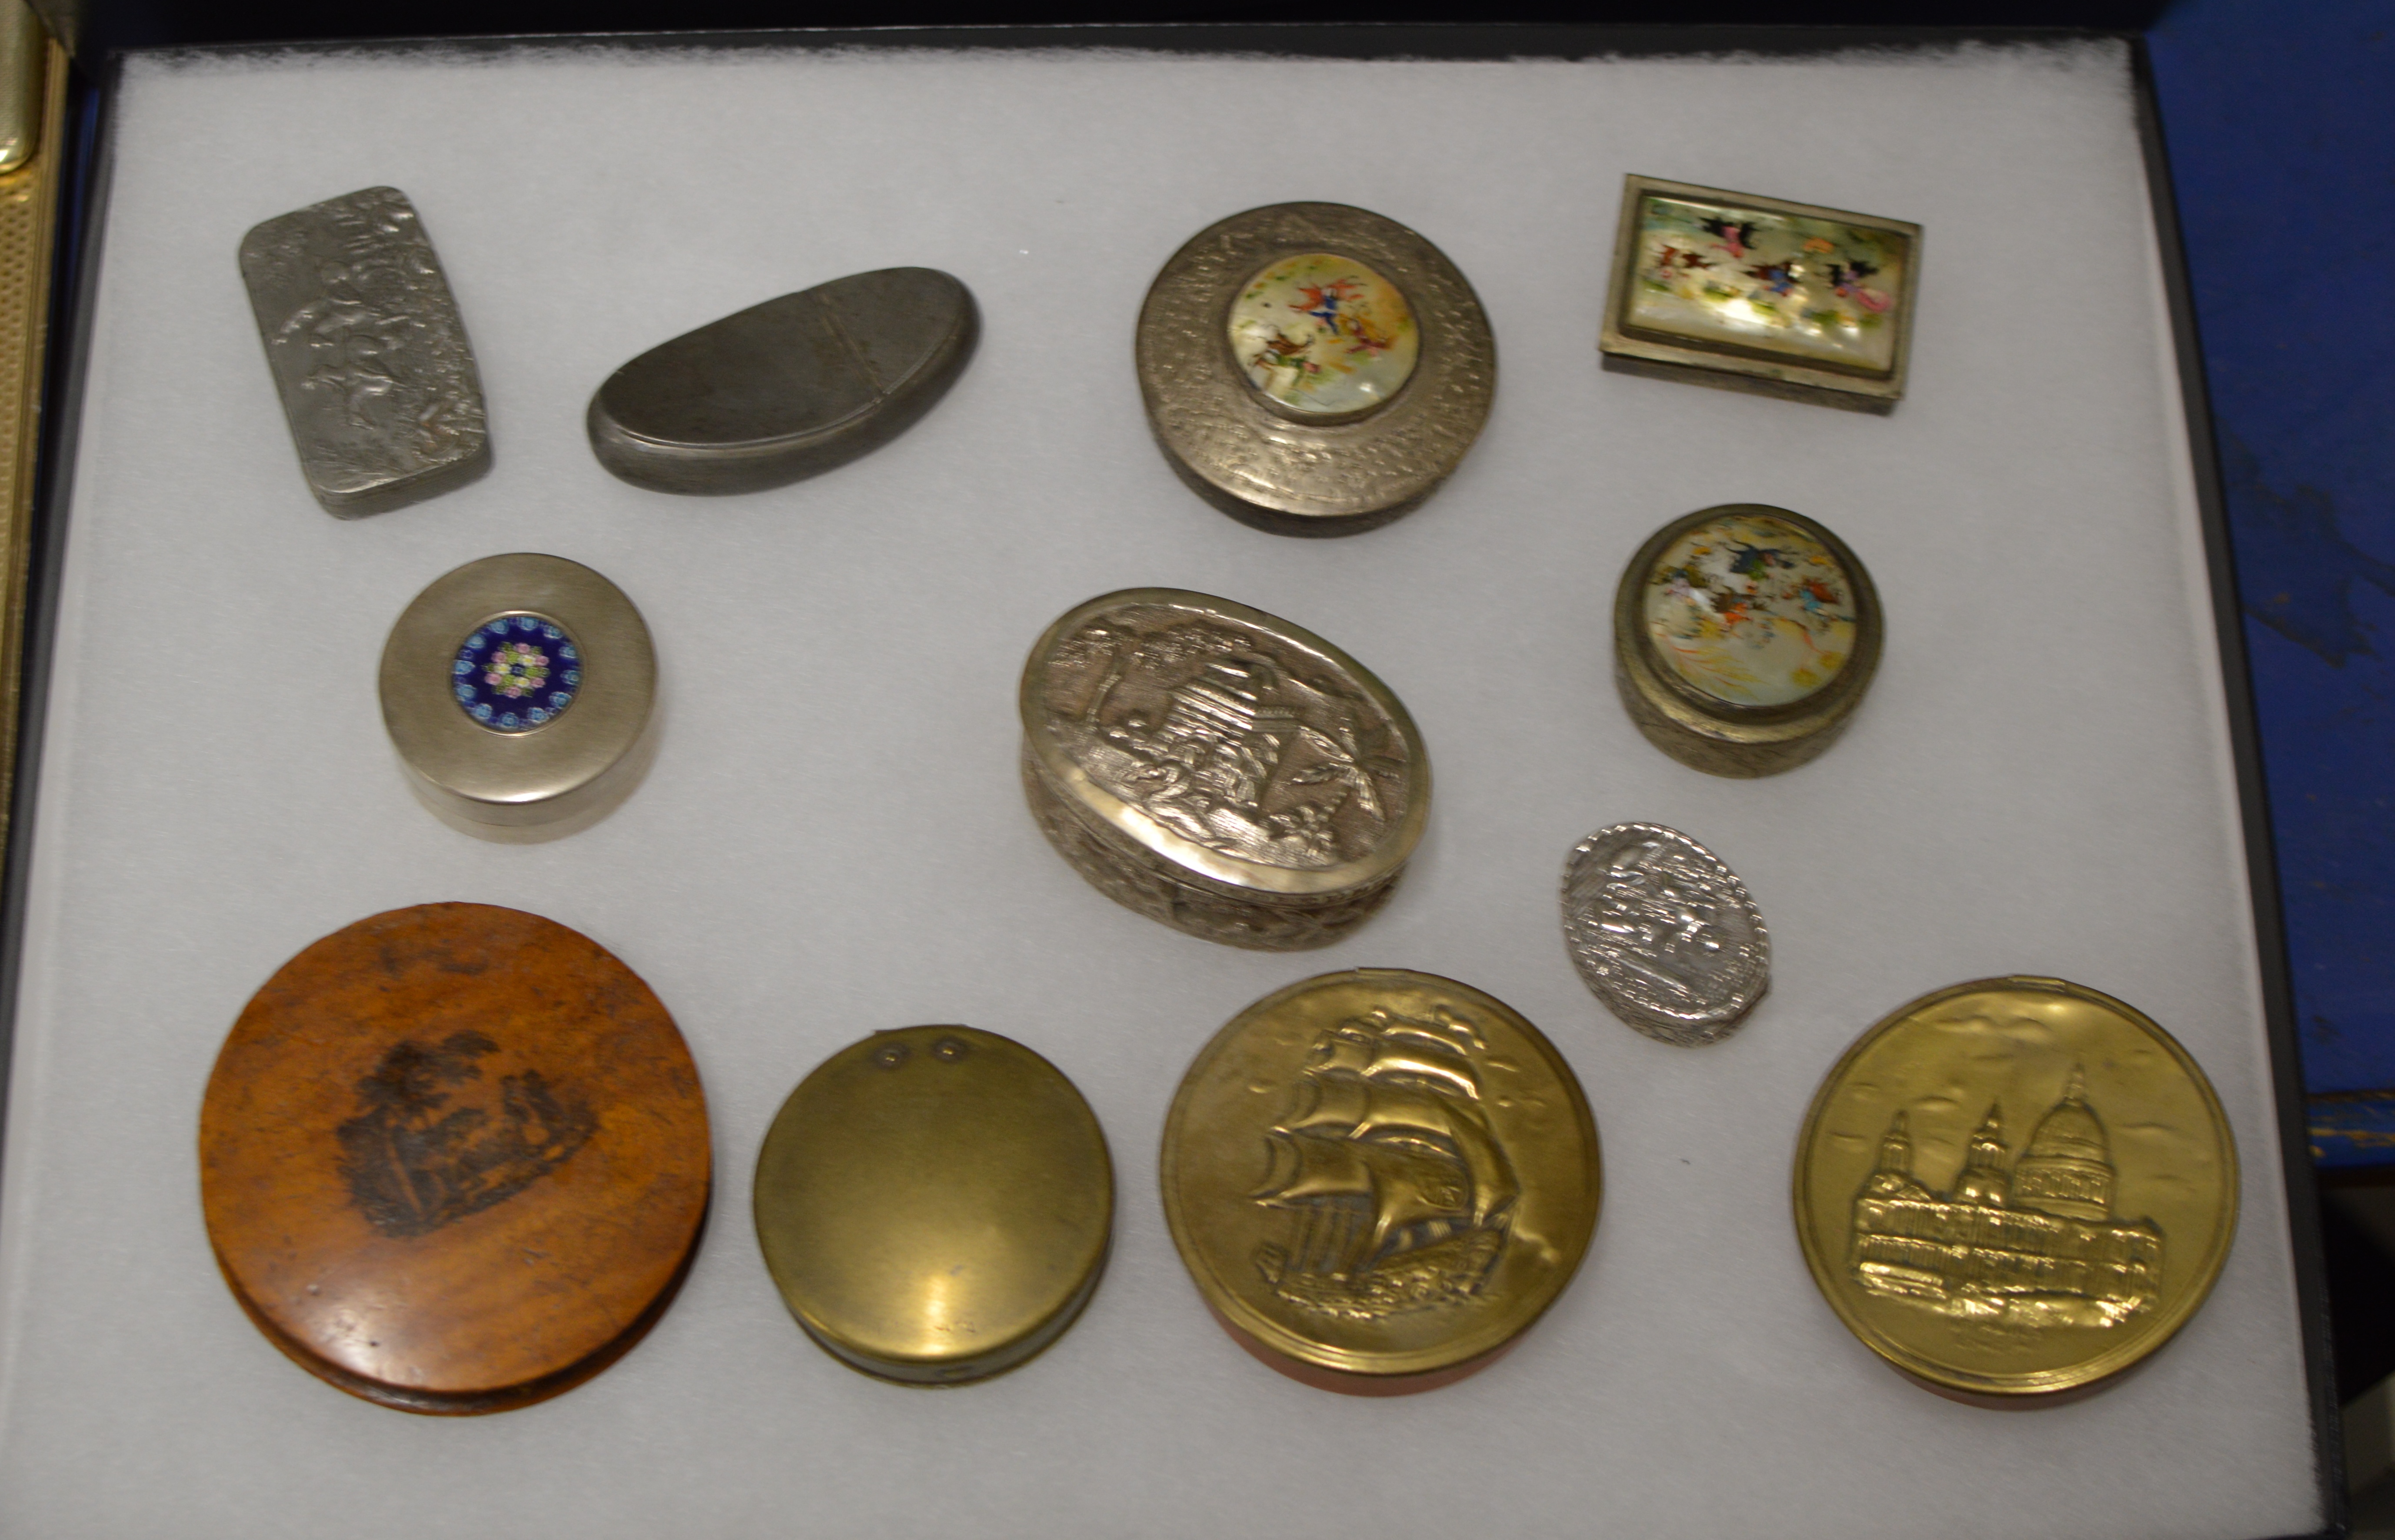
(832, 839)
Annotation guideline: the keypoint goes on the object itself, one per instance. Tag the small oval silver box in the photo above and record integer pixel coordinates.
(521, 693)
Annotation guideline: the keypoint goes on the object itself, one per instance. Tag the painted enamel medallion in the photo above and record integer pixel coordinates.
(517, 673)
(1751, 610)
(1820, 290)
(1323, 335)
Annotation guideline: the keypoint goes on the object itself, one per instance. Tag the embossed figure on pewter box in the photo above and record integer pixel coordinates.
(1399, 1196)
(369, 351)
(2029, 1243)
(1211, 732)
(414, 1162)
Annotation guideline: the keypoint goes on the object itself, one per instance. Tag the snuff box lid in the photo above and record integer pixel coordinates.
(1379, 1179)
(2016, 1189)
(934, 1204)
(454, 1158)
(1229, 742)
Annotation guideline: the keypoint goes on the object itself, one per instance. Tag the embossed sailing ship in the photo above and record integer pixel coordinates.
(2030, 1243)
(1399, 1196)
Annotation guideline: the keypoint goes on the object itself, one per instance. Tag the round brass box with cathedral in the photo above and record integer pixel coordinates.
(2016, 1187)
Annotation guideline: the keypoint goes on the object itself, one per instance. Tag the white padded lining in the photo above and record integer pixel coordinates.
(832, 839)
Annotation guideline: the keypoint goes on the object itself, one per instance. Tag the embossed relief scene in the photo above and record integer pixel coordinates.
(1228, 738)
(1400, 1195)
(1671, 927)
(368, 332)
(1820, 290)
(2029, 1233)
(2014, 1187)
(1751, 610)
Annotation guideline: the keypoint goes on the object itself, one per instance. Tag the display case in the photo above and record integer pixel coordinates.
(2053, 775)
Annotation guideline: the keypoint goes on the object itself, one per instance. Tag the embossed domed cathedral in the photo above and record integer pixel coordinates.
(2031, 1241)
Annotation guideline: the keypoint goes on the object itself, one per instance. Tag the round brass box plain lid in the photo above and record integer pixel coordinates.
(2015, 1188)
(934, 1204)
(1379, 1179)
(454, 1158)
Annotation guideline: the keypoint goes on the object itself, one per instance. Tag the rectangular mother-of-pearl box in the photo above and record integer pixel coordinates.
(1759, 294)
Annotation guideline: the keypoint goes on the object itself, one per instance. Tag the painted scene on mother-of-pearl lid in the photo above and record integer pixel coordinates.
(1324, 335)
(1820, 290)
(1751, 610)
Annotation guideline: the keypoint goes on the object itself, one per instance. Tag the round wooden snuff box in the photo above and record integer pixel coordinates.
(520, 693)
(934, 1204)
(454, 1158)
(1744, 637)
(1314, 368)
(787, 388)
(1220, 770)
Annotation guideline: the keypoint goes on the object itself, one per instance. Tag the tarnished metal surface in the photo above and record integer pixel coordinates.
(368, 352)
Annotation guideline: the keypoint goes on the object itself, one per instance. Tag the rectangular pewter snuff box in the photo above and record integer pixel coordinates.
(833, 838)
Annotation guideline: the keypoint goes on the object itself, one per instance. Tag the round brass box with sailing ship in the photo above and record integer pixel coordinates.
(1379, 1179)
(934, 1204)
(454, 1158)
(1996, 1267)
(1744, 637)
(1314, 368)
(1220, 770)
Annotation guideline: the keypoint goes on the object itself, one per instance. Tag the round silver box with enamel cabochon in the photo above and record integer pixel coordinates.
(1313, 368)
(787, 388)
(520, 693)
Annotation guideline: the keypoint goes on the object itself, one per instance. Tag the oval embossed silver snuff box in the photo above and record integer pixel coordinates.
(521, 693)
(1220, 770)
(787, 388)
(1313, 368)
(1664, 933)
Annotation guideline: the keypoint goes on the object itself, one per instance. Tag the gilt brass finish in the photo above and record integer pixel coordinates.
(454, 1159)
(558, 776)
(2016, 1187)
(1791, 637)
(1220, 770)
(29, 199)
(1246, 442)
(1761, 295)
(1379, 1179)
(934, 1204)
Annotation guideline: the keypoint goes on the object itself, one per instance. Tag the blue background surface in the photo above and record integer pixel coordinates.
(2279, 121)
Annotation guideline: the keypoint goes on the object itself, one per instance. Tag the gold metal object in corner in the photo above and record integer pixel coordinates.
(33, 108)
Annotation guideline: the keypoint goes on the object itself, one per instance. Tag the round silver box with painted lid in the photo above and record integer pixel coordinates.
(520, 693)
